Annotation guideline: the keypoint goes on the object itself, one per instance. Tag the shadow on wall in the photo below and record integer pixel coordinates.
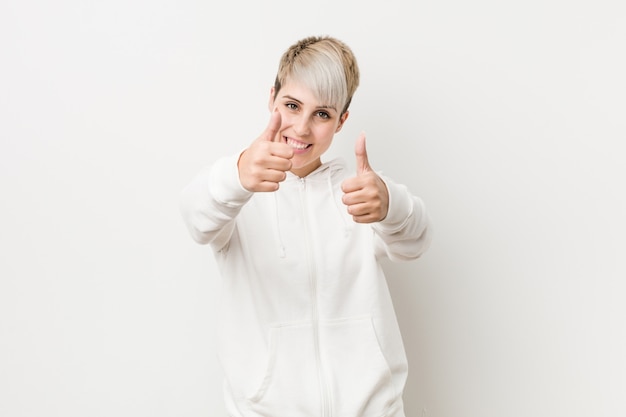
(409, 287)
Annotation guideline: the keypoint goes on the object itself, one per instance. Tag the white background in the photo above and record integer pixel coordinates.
(507, 118)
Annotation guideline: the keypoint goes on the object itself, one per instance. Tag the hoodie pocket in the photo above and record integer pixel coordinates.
(290, 386)
(359, 381)
(353, 372)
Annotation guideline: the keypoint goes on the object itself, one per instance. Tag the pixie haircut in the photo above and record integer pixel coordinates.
(325, 65)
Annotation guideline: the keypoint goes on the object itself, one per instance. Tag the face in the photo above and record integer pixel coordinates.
(308, 126)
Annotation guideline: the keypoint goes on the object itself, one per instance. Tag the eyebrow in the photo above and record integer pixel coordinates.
(326, 106)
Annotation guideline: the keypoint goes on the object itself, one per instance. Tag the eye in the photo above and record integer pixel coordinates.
(323, 114)
(291, 106)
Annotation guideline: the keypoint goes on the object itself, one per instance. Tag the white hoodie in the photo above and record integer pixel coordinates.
(307, 326)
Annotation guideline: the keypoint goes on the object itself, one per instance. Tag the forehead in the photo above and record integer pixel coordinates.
(303, 93)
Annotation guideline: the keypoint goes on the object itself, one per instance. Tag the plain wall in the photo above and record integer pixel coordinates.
(507, 118)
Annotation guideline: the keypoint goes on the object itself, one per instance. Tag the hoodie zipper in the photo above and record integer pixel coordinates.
(314, 302)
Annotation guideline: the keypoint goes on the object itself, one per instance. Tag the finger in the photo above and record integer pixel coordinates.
(280, 162)
(367, 218)
(360, 151)
(358, 209)
(267, 187)
(353, 184)
(273, 127)
(281, 150)
(366, 212)
(351, 198)
(363, 213)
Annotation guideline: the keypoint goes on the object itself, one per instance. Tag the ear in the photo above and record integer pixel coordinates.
(270, 103)
(342, 120)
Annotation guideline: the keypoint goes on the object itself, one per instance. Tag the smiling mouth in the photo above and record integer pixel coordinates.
(297, 144)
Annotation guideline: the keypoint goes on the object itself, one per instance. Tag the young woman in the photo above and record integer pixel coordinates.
(307, 326)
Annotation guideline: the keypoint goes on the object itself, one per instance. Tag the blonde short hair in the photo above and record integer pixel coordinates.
(325, 65)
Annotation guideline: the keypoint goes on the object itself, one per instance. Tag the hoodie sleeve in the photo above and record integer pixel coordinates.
(212, 201)
(405, 234)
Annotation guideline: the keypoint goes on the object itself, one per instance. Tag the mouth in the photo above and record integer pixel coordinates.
(296, 144)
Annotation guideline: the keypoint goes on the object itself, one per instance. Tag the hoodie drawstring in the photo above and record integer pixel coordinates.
(329, 181)
(281, 246)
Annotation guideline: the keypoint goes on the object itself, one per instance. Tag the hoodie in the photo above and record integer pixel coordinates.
(307, 326)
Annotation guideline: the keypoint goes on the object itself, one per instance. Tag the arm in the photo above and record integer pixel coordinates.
(399, 219)
(406, 232)
(211, 202)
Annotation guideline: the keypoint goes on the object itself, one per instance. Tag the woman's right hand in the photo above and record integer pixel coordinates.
(264, 164)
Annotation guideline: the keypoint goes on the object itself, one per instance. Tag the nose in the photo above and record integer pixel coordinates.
(301, 125)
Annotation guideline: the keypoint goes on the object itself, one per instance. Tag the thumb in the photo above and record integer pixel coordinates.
(272, 128)
(362, 163)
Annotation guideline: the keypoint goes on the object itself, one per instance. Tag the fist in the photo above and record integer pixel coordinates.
(264, 164)
(365, 195)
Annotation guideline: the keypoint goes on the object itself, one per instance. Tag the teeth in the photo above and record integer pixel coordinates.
(296, 144)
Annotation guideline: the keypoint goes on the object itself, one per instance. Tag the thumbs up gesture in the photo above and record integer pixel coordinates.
(365, 195)
(264, 164)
